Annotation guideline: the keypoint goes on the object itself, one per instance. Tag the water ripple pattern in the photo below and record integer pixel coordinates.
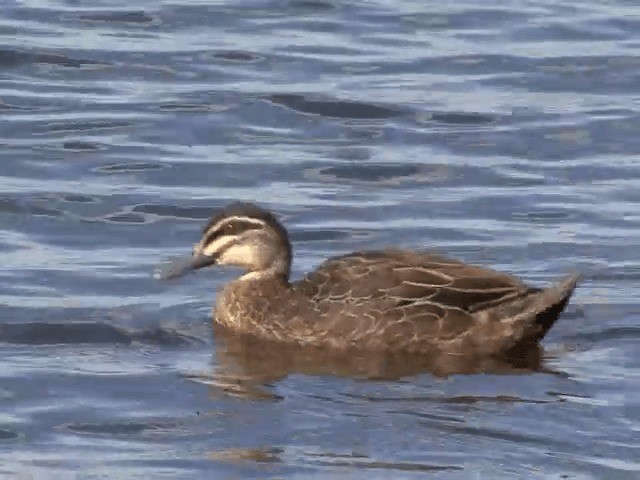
(504, 134)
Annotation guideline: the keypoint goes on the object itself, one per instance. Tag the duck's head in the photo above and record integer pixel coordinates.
(243, 235)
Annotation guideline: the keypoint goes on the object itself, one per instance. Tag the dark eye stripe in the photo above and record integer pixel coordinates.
(231, 228)
(240, 226)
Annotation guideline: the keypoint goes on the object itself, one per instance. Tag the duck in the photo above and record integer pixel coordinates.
(392, 300)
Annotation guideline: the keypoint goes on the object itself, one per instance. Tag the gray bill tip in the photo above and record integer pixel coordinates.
(181, 266)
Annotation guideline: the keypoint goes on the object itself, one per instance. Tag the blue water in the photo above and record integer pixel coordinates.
(505, 134)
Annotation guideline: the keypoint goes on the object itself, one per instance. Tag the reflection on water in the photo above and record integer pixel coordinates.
(246, 367)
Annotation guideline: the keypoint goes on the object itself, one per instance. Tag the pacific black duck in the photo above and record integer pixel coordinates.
(391, 300)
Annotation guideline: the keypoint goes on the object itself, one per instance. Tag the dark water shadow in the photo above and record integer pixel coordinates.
(80, 146)
(8, 435)
(43, 333)
(14, 58)
(370, 172)
(118, 428)
(135, 17)
(336, 108)
(462, 118)
(237, 56)
(244, 365)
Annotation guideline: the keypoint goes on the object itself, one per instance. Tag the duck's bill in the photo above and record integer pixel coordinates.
(182, 266)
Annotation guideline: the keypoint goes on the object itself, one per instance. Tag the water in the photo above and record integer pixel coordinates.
(505, 135)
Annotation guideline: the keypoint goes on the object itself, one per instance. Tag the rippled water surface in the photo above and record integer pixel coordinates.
(505, 134)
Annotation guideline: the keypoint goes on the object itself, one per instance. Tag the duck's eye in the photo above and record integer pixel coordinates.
(229, 227)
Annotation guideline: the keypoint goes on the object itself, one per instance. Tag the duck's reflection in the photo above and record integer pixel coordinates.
(244, 365)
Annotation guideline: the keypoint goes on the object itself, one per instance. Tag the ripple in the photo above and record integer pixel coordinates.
(126, 217)
(114, 428)
(73, 126)
(574, 75)
(174, 211)
(370, 172)
(473, 399)
(606, 334)
(501, 435)
(564, 31)
(627, 272)
(19, 207)
(338, 460)
(353, 153)
(132, 167)
(323, 235)
(188, 107)
(16, 108)
(462, 118)
(468, 18)
(544, 216)
(70, 146)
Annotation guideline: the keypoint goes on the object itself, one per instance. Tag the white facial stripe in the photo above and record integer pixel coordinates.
(222, 224)
(254, 221)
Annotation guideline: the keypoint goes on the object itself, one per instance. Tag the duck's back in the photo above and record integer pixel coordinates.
(413, 301)
(409, 277)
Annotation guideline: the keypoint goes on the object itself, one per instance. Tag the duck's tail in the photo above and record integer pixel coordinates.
(552, 302)
(527, 319)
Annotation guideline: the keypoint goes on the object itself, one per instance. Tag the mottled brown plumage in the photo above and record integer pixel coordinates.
(390, 300)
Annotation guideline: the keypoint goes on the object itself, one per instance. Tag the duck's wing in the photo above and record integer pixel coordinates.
(420, 302)
(407, 278)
